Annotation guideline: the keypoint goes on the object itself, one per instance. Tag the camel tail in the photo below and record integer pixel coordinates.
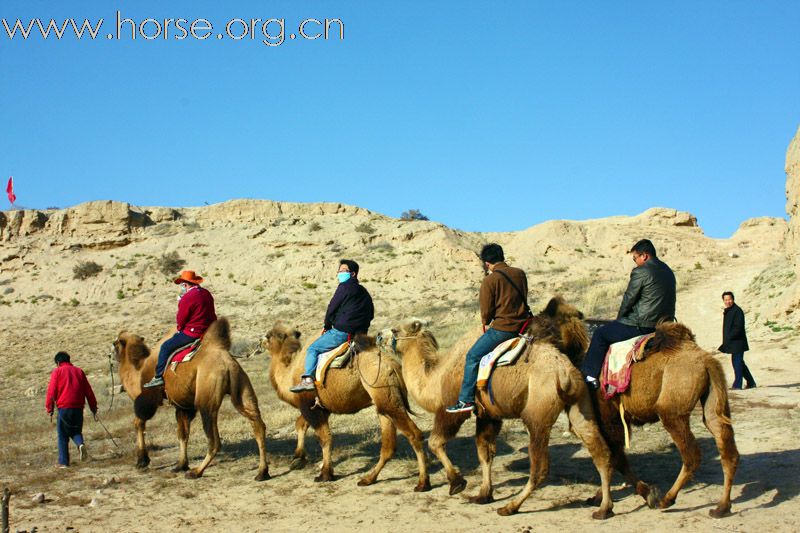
(404, 393)
(718, 391)
(569, 384)
(219, 334)
(243, 396)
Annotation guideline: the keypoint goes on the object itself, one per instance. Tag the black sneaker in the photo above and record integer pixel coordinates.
(461, 407)
(306, 384)
(592, 383)
(155, 382)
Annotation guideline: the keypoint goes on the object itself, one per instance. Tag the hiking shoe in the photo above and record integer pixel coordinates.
(461, 407)
(592, 383)
(306, 384)
(59, 465)
(751, 385)
(155, 382)
(83, 453)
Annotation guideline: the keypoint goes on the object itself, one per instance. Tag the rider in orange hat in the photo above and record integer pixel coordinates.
(195, 315)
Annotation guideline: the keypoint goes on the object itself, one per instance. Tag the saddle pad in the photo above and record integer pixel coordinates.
(335, 358)
(183, 354)
(506, 353)
(616, 374)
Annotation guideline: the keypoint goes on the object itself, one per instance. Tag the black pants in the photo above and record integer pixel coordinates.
(604, 337)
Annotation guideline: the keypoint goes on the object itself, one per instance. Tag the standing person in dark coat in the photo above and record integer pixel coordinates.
(734, 341)
(350, 311)
(69, 390)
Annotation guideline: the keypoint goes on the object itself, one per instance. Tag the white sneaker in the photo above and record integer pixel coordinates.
(84, 454)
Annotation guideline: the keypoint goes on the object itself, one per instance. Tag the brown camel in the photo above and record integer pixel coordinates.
(196, 385)
(675, 375)
(369, 378)
(536, 389)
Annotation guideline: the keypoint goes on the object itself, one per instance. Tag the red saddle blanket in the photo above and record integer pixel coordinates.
(615, 378)
(184, 353)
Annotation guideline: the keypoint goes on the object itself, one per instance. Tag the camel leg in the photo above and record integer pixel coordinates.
(537, 450)
(445, 427)
(184, 420)
(142, 457)
(486, 431)
(300, 459)
(388, 445)
(588, 431)
(410, 430)
(729, 456)
(323, 431)
(247, 406)
(678, 428)
(209, 417)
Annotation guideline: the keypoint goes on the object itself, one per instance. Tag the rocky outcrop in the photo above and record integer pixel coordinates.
(663, 216)
(793, 199)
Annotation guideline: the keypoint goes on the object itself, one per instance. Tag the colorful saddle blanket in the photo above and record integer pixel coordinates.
(616, 374)
(183, 354)
(506, 353)
(336, 358)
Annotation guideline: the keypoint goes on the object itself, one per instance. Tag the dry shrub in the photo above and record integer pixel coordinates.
(170, 263)
(86, 269)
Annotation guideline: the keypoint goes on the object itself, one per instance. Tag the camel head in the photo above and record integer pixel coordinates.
(131, 348)
(281, 341)
(563, 324)
(407, 336)
(559, 310)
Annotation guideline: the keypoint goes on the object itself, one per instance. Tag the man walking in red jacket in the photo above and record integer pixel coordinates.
(68, 390)
(195, 314)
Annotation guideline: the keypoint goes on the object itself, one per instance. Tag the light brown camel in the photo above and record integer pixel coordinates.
(536, 389)
(675, 375)
(369, 378)
(196, 385)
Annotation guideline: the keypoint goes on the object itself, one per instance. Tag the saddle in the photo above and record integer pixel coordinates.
(615, 378)
(183, 354)
(505, 354)
(336, 358)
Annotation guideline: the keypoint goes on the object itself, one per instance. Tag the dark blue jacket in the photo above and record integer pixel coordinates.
(351, 309)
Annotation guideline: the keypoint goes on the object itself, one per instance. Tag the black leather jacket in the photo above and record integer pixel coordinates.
(650, 295)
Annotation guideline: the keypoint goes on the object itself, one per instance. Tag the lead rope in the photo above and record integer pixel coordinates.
(111, 372)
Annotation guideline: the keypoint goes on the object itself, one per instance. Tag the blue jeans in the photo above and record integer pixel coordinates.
(68, 426)
(604, 337)
(333, 338)
(740, 370)
(169, 346)
(485, 344)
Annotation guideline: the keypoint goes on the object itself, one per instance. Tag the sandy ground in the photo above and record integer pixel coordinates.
(108, 493)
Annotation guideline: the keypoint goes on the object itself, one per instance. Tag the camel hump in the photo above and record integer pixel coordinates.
(219, 334)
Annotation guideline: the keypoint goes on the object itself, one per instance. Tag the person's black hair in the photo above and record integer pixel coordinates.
(644, 246)
(492, 253)
(61, 357)
(352, 265)
(728, 293)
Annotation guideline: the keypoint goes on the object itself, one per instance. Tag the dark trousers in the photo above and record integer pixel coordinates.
(740, 371)
(604, 337)
(485, 344)
(68, 426)
(169, 346)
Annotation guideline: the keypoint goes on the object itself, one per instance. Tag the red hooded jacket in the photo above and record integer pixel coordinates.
(195, 312)
(69, 388)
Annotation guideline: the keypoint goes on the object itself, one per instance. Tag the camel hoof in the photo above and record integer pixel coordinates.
(143, 462)
(325, 476)
(180, 468)
(457, 486)
(653, 497)
(424, 486)
(720, 513)
(192, 474)
(263, 476)
(666, 504)
(298, 463)
(602, 515)
(482, 500)
(506, 511)
(365, 482)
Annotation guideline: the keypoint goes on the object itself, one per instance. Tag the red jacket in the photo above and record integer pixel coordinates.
(195, 312)
(68, 388)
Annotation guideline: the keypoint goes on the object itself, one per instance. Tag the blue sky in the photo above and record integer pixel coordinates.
(486, 116)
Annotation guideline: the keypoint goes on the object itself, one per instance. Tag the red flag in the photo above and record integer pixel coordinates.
(10, 190)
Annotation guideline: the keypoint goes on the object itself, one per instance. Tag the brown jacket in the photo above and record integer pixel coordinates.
(501, 304)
